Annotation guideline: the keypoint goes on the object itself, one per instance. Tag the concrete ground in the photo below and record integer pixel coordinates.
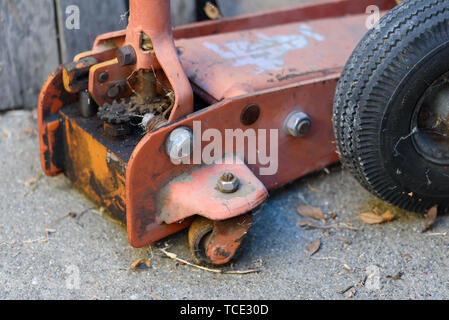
(389, 261)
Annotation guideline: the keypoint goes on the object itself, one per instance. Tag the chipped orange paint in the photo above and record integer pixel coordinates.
(227, 236)
(93, 168)
(147, 188)
(52, 97)
(196, 193)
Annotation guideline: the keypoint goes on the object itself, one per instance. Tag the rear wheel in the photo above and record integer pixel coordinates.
(391, 109)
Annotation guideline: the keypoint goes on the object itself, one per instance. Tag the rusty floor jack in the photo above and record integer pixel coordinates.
(118, 120)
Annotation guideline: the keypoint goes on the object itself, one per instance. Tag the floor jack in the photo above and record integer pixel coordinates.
(119, 121)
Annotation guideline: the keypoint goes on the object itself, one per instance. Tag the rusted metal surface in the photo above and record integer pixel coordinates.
(134, 175)
(217, 242)
(260, 59)
(317, 10)
(196, 193)
(226, 238)
(94, 169)
(51, 99)
(299, 157)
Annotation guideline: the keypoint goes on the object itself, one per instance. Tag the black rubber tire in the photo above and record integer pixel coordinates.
(378, 91)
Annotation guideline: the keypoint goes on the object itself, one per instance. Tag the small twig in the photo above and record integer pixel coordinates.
(435, 234)
(155, 296)
(175, 257)
(34, 185)
(346, 290)
(312, 225)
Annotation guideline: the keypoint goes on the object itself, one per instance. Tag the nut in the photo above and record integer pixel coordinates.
(103, 77)
(179, 145)
(126, 56)
(228, 183)
(297, 124)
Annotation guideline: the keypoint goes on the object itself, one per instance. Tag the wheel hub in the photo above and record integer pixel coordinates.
(431, 123)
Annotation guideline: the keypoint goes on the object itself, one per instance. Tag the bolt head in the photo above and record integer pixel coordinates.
(179, 145)
(297, 124)
(113, 91)
(126, 56)
(228, 183)
(103, 77)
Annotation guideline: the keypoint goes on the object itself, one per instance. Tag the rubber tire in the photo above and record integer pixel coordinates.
(380, 86)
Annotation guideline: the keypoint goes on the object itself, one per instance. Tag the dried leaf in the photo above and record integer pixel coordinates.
(313, 248)
(431, 216)
(406, 255)
(397, 276)
(370, 218)
(387, 216)
(140, 263)
(310, 212)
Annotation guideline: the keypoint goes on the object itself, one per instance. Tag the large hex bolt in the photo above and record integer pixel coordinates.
(228, 183)
(297, 124)
(179, 145)
(126, 56)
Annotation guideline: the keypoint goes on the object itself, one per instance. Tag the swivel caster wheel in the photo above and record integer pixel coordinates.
(217, 242)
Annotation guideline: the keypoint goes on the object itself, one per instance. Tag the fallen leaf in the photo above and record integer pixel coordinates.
(406, 255)
(332, 216)
(372, 218)
(387, 216)
(431, 216)
(310, 212)
(140, 263)
(313, 248)
(397, 276)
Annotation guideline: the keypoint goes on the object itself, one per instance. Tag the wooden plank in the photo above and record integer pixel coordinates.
(29, 50)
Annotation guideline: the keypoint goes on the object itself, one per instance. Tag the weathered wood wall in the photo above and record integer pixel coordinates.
(29, 49)
(35, 37)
